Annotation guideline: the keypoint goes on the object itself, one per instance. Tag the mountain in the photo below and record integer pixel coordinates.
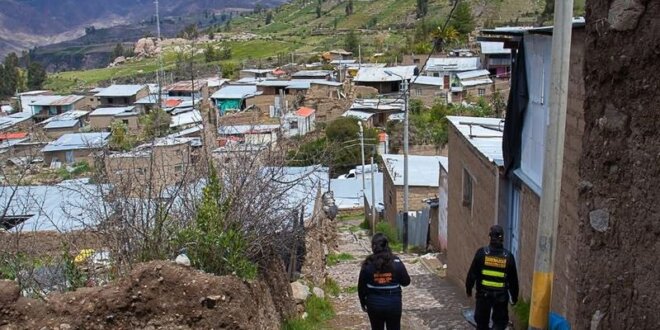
(28, 23)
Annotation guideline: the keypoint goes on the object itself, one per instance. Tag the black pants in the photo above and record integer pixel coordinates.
(495, 302)
(381, 319)
(384, 310)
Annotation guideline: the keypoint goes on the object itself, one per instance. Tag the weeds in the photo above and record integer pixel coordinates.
(331, 287)
(318, 312)
(351, 289)
(521, 310)
(334, 258)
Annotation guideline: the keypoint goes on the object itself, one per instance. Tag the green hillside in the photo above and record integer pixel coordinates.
(381, 26)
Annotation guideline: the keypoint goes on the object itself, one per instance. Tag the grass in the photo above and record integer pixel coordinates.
(318, 312)
(351, 289)
(351, 215)
(331, 287)
(521, 312)
(334, 258)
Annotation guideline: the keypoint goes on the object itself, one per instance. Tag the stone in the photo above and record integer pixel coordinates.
(65, 326)
(300, 291)
(146, 47)
(318, 292)
(304, 316)
(182, 259)
(599, 220)
(595, 320)
(624, 14)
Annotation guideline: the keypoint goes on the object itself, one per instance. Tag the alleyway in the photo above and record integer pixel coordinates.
(430, 302)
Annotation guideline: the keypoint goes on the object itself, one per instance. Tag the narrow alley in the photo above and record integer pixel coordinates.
(429, 302)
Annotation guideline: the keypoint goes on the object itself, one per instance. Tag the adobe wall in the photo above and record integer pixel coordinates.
(618, 241)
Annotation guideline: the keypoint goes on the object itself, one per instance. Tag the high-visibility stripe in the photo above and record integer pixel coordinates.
(492, 273)
(492, 284)
(386, 287)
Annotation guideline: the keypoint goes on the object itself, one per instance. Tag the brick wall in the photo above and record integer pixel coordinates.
(393, 196)
(467, 229)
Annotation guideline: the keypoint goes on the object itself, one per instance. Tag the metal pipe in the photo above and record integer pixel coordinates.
(373, 199)
(406, 192)
(546, 240)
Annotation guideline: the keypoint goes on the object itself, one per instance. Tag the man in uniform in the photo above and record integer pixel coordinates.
(494, 272)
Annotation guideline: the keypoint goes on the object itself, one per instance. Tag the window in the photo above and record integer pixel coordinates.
(418, 91)
(91, 100)
(482, 91)
(293, 125)
(126, 100)
(467, 189)
(415, 61)
(110, 100)
(125, 121)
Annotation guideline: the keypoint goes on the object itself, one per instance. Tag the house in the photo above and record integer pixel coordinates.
(448, 67)
(74, 147)
(427, 89)
(474, 83)
(501, 182)
(337, 55)
(198, 90)
(163, 163)
(9, 140)
(68, 122)
(312, 74)
(495, 58)
(46, 106)
(102, 118)
(375, 112)
(422, 182)
(300, 122)
(214, 84)
(121, 95)
(254, 134)
(385, 80)
(256, 73)
(20, 121)
(233, 97)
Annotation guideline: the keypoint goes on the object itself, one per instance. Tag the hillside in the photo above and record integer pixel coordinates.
(25, 24)
(384, 26)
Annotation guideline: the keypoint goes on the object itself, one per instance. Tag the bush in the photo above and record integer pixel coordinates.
(521, 311)
(331, 287)
(388, 231)
(334, 259)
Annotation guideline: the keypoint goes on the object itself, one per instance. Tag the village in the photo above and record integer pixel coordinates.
(432, 150)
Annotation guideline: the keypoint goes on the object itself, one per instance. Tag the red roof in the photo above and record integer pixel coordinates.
(305, 112)
(172, 102)
(279, 72)
(13, 136)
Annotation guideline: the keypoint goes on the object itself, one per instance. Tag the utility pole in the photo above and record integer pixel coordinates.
(373, 199)
(546, 240)
(160, 58)
(362, 152)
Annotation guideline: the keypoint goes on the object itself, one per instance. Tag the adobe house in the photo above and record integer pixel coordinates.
(75, 147)
(185, 88)
(476, 83)
(428, 90)
(422, 183)
(46, 106)
(68, 122)
(501, 182)
(379, 78)
(233, 98)
(121, 95)
(102, 118)
(163, 163)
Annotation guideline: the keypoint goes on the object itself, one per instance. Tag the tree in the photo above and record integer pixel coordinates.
(9, 76)
(210, 54)
(119, 137)
(462, 20)
(36, 76)
(422, 8)
(349, 8)
(318, 11)
(118, 51)
(156, 124)
(269, 17)
(352, 42)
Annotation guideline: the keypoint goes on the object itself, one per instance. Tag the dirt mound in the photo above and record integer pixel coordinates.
(157, 294)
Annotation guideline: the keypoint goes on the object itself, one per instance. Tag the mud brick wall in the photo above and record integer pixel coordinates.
(619, 200)
(467, 229)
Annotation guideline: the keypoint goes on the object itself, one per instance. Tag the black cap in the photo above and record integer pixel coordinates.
(496, 231)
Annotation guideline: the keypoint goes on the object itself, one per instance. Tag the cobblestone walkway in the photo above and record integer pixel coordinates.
(429, 302)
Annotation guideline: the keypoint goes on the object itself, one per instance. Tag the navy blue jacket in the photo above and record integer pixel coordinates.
(382, 288)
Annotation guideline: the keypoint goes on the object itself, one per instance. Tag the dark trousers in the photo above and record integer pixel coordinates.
(381, 319)
(495, 302)
(384, 310)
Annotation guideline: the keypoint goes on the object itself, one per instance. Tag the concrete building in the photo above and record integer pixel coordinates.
(102, 118)
(121, 95)
(423, 183)
(74, 147)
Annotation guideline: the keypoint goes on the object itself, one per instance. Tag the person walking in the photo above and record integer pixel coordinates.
(493, 270)
(379, 286)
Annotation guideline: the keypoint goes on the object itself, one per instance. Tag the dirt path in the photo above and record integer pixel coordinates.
(430, 302)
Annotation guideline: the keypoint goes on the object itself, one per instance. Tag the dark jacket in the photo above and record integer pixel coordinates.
(479, 264)
(382, 289)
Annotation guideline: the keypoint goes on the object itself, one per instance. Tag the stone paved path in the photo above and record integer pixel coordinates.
(429, 302)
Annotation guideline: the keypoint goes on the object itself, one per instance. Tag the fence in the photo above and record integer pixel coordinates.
(418, 227)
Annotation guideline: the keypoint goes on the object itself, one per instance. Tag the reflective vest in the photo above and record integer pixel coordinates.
(493, 271)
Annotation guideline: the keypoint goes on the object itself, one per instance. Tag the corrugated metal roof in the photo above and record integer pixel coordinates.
(186, 86)
(274, 83)
(361, 115)
(426, 169)
(69, 115)
(186, 118)
(75, 141)
(66, 100)
(246, 129)
(326, 83)
(441, 64)
(476, 82)
(343, 62)
(472, 74)
(62, 124)
(312, 73)
(493, 48)
(235, 92)
(120, 90)
(374, 74)
(485, 134)
(186, 131)
(427, 80)
(305, 112)
(111, 111)
(13, 119)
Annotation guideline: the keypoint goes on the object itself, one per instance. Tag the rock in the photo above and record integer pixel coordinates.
(595, 319)
(599, 219)
(182, 259)
(318, 292)
(211, 301)
(624, 14)
(146, 47)
(65, 326)
(304, 316)
(9, 293)
(300, 291)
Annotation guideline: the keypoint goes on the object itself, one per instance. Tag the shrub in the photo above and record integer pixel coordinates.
(388, 231)
(334, 259)
(521, 311)
(331, 287)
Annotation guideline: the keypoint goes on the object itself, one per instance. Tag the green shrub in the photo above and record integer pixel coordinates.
(334, 258)
(331, 287)
(351, 289)
(388, 231)
(521, 311)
